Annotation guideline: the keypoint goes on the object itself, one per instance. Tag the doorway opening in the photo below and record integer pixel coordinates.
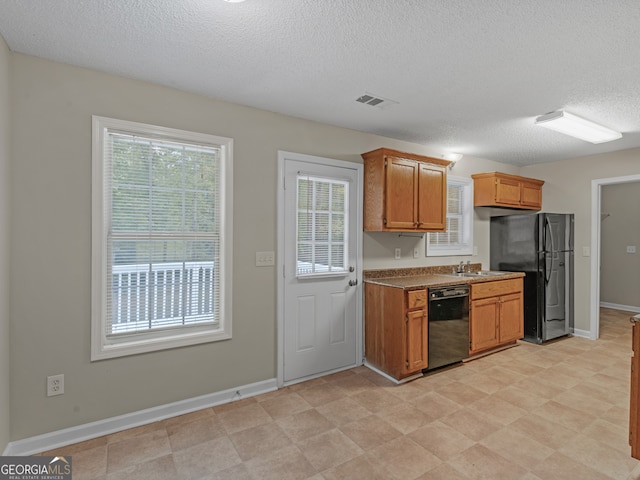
(596, 245)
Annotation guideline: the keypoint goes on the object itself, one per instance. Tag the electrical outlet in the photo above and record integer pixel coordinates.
(398, 253)
(631, 249)
(55, 385)
(416, 252)
(265, 259)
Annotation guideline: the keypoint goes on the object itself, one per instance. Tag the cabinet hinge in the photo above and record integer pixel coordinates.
(406, 364)
(406, 318)
(384, 221)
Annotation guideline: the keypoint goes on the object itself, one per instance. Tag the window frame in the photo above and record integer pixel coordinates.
(467, 223)
(103, 347)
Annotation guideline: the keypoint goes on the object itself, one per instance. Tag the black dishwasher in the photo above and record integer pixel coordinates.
(448, 325)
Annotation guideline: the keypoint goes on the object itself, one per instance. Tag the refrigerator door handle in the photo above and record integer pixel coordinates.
(548, 229)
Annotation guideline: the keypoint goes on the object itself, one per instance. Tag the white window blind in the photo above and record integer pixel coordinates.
(163, 248)
(322, 226)
(458, 238)
(165, 235)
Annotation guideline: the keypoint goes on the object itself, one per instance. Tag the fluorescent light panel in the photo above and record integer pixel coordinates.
(570, 124)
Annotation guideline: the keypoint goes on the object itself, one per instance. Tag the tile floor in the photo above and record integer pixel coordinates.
(558, 411)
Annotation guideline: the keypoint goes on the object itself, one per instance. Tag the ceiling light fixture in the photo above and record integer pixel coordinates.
(452, 157)
(570, 124)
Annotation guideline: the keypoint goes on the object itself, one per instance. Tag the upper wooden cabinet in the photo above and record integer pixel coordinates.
(404, 192)
(497, 189)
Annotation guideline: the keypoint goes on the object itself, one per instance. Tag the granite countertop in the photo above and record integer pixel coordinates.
(425, 277)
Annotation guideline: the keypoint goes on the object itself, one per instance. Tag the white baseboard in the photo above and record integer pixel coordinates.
(617, 306)
(389, 377)
(87, 431)
(582, 333)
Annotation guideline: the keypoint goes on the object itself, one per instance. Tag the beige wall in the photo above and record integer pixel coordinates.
(52, 106)
(51, 176)
(5, 184)
(568, 190)
(620, 271)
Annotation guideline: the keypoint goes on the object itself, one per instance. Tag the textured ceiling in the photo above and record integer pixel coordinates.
(468, 76)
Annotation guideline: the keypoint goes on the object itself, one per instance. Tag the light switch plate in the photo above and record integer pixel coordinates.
(398, 253)
(586, 251)
(265, 259)
(631, 249)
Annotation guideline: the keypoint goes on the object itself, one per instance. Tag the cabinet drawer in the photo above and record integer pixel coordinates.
(416, 299)
(494, 289)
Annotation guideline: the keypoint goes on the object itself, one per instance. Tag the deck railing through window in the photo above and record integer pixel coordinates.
(161, 295)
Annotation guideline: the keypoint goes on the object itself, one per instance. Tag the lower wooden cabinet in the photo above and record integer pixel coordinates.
(396, 330)
(416, 340)
(396, 323)
(484, 332)
(634, 414)
(496, 316)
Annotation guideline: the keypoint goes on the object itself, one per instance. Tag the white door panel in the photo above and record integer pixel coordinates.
(320, 258)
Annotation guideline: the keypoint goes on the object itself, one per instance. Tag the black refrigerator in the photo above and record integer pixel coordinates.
(541, 246)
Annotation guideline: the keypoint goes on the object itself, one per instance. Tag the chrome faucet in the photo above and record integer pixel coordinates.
(461, 267)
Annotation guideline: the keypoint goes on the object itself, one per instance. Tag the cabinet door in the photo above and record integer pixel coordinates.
(400, 197)
(511, 318)
(507, 191)
(416, 341)
(483, 324)
(432, 197)
(531, 195)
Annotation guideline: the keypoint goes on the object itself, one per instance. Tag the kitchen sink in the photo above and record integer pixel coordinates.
(482, 273)
(485, 273)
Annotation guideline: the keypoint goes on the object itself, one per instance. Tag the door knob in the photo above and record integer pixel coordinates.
(353, 283)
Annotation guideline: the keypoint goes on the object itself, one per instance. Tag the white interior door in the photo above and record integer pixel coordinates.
(320, 329)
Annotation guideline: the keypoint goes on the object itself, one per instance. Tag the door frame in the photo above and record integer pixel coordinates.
(596, 201)
(283, 156)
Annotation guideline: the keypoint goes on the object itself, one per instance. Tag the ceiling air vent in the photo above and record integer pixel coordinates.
(374, 101)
